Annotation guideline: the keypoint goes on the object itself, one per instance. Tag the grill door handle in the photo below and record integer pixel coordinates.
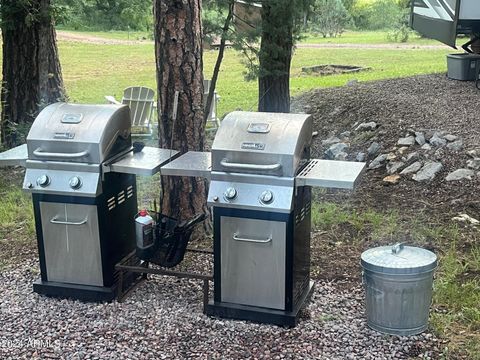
(77, 155)
(270, 167)
(237, 237)
(63, 222)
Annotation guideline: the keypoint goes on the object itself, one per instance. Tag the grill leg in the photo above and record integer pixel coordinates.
(206, 285)
(120, 286)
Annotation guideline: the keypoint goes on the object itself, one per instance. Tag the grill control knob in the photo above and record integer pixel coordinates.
(43, 181)
(75, 183)
(230, 193)
(266, 197)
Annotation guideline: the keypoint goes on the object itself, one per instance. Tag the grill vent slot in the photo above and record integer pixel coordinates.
(129, 192)
(111, 203)
(121, 197)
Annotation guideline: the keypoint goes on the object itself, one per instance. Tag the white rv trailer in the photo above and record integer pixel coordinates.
(443, 20)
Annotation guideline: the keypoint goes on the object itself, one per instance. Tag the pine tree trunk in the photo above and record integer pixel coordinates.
(178, 48)
(32, 76)
(275, 56)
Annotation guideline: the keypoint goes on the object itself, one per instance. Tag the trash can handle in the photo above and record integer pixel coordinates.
(397, 248)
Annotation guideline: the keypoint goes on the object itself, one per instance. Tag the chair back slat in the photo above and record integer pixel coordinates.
(140, 100)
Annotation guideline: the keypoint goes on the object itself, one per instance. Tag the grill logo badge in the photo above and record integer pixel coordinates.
(250, 145)
(64, 135)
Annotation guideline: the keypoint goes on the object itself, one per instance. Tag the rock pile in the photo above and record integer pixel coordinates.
(417, 155)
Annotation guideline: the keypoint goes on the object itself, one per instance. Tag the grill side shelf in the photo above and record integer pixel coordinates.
(190, 164)
(147, 162)
(330, 174)
(15, 156)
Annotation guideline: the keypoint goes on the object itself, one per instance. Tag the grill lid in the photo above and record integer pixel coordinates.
(79, 133)
(262, 143)
(398, 259)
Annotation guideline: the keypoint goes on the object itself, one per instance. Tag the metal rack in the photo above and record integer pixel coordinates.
(132, 265)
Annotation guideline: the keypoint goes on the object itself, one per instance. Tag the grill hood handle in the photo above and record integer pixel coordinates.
(77, 155)
(271, 167)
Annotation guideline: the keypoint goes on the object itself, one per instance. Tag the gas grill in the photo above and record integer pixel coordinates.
(81, 172)
(261, 177)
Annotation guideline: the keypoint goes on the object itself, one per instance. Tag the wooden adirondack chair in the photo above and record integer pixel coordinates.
(213, 122)
(141, 101)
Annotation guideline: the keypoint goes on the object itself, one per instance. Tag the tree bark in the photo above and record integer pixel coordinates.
(32, 76)
(178, 48)
(275, 56)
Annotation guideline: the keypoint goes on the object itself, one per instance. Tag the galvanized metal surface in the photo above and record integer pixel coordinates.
(147, 162)
(72, 243)
(253, 262)
(398, 286)
(330, 174)
(14, 157)
(262, 143)
(404, 260)
(79, 133)
(192, 163)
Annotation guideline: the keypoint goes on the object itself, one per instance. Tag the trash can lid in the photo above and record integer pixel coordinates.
(398, 259)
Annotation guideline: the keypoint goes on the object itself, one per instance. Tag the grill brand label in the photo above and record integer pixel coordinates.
(64, 135)
(250, 145)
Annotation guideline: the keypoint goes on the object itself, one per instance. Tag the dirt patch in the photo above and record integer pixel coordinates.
(324, 70)
(90, 39)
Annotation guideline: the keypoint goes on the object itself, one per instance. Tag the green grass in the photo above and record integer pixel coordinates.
(92, 71)
(329, 217)
(457, 300)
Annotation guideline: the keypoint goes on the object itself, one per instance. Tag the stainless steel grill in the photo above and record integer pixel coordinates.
(261, 177)
(81, 173)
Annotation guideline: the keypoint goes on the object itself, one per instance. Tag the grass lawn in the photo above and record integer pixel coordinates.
(92, 71)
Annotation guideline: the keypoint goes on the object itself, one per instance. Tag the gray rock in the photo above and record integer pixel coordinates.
(352, 82)
(412, 168)
(428, 171)
(335, 150)
(456, 145)
(413, 157)
(474, 164)
(373, 149)
(420, 138)
(378, 161)
(406, 141)
(437, 140)
(475, 153)
(368, 126)
(345, 134)
(460, 174)
(450, 137)
(361, 156)
(331, 140)
(341, 156)
(426, 147)
(394, 166)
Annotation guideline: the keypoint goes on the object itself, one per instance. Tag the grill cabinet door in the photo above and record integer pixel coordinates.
(253, 262)
(71, 243)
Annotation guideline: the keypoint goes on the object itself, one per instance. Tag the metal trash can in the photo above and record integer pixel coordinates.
(398, 285)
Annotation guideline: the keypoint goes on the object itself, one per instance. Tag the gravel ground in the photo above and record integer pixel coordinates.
(163, 319)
